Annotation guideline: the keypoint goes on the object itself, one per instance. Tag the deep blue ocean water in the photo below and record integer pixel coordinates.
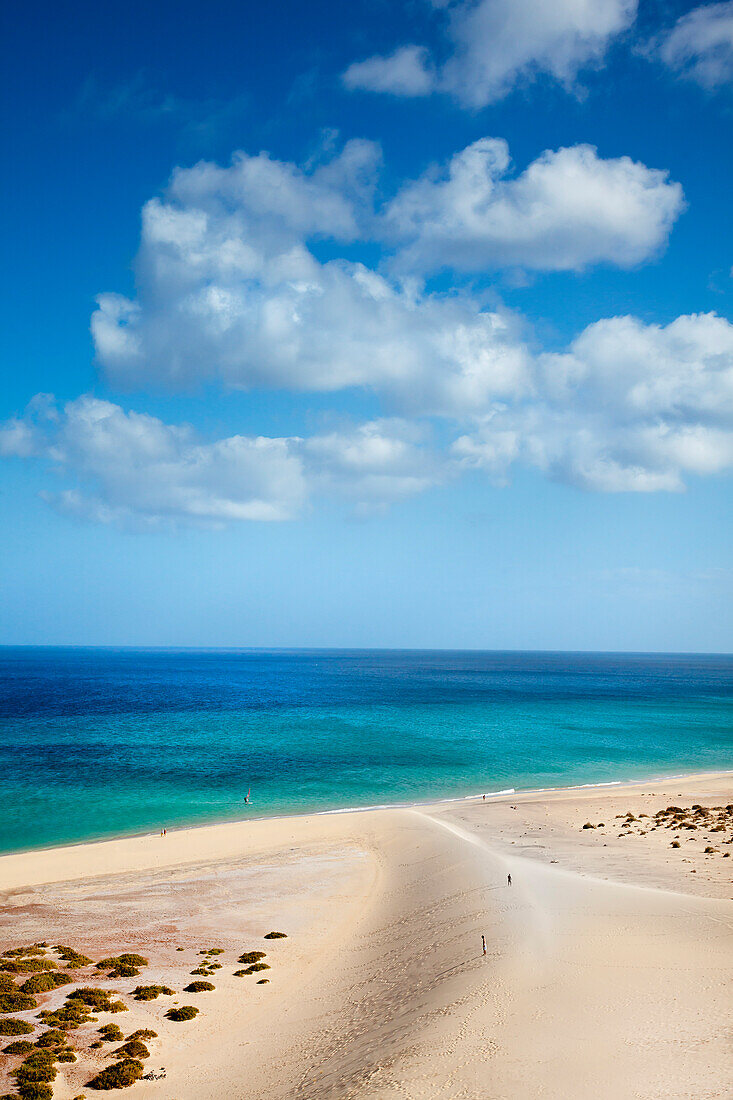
(102, 742)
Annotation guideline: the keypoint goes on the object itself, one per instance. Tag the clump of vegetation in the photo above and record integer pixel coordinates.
(252, 956)
(38, 1066)
(20, 1046)
(201, 970)
(15, 1027)
(16, 1002)
(96, 1044)
(27, 966)
(263, 981)
(709, 850)
(111, 1033)
(71, 1015)
(179, 949)
(675, 844)
(212, 951)
(119, 1076)
(7, 985)
(256, 967)
(214, 966)
(199, 987)
(73, 959)
(45, 982)
(34, 949)
(52, 1038)
(98, 999)
(185, 1012)
(276, 936)
(125, 961)
(151, 992)
(66, 1055)
(34, 1090)
(133, 1048)
(143, 1033)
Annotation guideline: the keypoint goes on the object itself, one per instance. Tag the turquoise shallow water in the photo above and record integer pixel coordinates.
(97, 743)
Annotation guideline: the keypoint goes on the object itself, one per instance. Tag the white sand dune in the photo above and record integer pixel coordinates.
(608, 972)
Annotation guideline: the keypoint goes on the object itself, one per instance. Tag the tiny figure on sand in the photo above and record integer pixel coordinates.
(483, 945)
(509, 880)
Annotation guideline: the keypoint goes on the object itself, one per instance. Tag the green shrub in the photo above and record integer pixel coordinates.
(133, 1048)
(96, 1044)
(256, 967)
(15, 1027)
(128, 958)
(16, 1002)
(7, 985)
(66, 1056)
(276, 936)
(199, 987)
(52, 1038)
(150, 992)
(71, 1015)
(98, 999)
(202, 970)
(263, 981)
(111, 1033)
(72, 958)
(35, 1090)
(27, 966)
(38, 1066)
(20, 1046)
(143, 1033)
(119, 1076)
(45, 982)
(185, 1012)
(214, 966)
(252, 956)
(124, 971)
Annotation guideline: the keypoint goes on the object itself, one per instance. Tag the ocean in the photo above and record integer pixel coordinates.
(103, 742)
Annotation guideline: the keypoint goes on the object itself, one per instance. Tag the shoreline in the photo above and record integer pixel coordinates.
(516, 792)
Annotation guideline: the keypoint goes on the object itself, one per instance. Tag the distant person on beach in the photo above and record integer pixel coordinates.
(483, 944)
(509, 880)
(484, 798)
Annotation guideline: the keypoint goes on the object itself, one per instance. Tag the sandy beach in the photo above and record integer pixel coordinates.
(607, 973)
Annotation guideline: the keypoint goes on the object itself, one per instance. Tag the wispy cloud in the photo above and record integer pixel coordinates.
(495, 45)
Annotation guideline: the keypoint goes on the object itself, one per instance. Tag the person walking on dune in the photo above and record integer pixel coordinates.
(483, 945)
(509, 880)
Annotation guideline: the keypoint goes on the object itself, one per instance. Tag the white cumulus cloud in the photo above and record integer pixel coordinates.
(567, 210)
(496, 44)
(629, 407)
(231, 286)
(132, 467)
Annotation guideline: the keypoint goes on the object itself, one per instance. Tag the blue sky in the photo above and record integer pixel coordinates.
(371, 325)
